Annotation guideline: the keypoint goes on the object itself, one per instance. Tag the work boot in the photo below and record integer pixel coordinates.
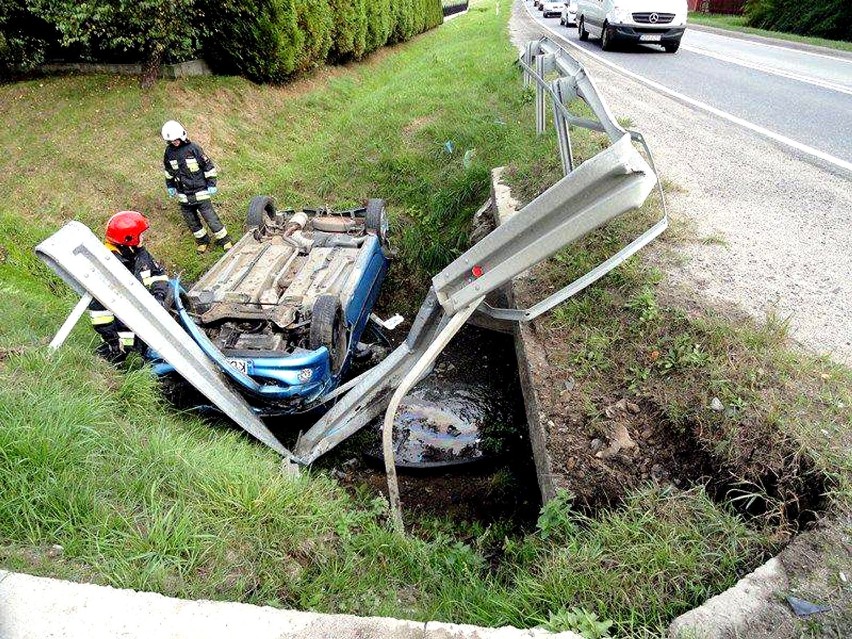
(226, 243)
(201, 244)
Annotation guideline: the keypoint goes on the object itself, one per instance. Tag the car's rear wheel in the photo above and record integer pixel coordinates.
(376, 219)
(260, 210)
(671, 47)
(581, 28)
(328, 329)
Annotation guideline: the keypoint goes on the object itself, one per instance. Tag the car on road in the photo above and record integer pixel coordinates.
(283, 311)
(638, 21)
(552, 9)
(568, 18)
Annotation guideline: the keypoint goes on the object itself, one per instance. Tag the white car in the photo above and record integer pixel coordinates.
(569, 14)
(647, 21)
(552, 9)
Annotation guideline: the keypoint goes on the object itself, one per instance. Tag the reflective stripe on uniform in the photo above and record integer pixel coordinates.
(169, 176)
(182, 197)
(147, 281)
(222, 232)
(200, 233)
(126, 338)
(210, 173)
(144, 274)
(101, 317)
(202, 195)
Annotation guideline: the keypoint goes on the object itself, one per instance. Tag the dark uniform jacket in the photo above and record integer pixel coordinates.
(139, 262)
(189, 170)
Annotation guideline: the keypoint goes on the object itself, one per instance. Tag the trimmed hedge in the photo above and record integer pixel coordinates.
(831, 19)
(255, 38)
(315, 29)
(264, 40)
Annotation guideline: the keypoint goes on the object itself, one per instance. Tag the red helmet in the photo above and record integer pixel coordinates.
(126, 228)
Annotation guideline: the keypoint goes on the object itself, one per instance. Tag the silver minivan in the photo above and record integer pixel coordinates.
(639, 21)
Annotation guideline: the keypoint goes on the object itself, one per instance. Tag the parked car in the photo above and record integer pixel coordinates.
(552, 9)
(568, 18)
(283, 311)
(647, 21)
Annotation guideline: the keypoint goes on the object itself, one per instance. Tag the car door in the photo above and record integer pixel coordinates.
(595, 17)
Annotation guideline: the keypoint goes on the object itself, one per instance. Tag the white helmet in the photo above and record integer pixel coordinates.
(173, 131)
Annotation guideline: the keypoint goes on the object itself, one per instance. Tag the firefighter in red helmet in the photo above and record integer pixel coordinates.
(124, 236)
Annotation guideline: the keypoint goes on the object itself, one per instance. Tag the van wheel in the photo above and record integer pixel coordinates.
(328, 329)
(671, 47)
(606, 38)
(581, 28)
(260, 210)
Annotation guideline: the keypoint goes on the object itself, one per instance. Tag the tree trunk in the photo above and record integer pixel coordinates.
(151, 67)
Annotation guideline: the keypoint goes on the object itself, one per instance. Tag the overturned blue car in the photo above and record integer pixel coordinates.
(283, 311)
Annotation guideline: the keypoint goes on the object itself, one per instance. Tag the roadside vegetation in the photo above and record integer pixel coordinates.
(741, 23)
(102, 481)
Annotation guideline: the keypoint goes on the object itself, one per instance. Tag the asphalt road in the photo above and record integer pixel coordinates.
(767, 219)
(800, 96)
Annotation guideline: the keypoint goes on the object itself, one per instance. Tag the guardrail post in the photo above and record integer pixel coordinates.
(543, 64)
(563, 138)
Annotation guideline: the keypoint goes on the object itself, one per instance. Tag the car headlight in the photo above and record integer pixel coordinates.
(620, 16)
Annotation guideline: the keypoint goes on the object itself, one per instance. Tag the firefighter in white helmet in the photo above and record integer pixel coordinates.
(191, 177)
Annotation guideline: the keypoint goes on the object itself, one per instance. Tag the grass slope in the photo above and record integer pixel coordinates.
(141, 496)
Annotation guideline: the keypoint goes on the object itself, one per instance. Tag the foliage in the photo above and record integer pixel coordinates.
(822, 18)
(315, 26)
(24, 37)
(579, 620)
(156, 30)
(255, 38)
(379, 23)
(349, 39)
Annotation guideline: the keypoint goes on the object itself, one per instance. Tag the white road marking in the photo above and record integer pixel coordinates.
(781, 139)
(775, 46)
(825, 84)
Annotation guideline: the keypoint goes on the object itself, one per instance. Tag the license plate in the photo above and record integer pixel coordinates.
(240, 364)
(650, 37)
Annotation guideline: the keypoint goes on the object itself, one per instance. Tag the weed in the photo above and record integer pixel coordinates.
(581, 621)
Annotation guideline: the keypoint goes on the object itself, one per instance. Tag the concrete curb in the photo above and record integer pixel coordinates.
(778, 42)
(529, 353)
(42, 608)
(171, 71)
(750, 608)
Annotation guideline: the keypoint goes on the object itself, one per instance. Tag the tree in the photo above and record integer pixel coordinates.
(150, 30)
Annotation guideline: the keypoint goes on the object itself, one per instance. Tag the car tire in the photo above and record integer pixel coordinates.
(328, 329)
(671, 47)
(607, 40)
(376, 219)
(260, 209)
(581, 28)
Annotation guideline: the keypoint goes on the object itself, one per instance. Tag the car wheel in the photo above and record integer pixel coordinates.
(671, 47)
(328, 329)
(260, 209)
(581, 28)
(376, 219)
(606, 38)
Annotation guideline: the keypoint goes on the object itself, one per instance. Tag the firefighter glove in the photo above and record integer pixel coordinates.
(172, 191)
(212, 190)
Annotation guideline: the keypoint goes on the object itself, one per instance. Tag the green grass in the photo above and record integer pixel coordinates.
(142, 496)
(738, 23)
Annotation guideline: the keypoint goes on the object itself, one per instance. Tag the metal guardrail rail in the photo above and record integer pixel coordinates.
(616, 180)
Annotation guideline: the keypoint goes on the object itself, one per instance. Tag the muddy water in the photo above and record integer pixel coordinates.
(460, 440)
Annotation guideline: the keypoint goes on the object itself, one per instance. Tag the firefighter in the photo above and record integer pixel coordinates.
(191, 177)
(124, 236)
